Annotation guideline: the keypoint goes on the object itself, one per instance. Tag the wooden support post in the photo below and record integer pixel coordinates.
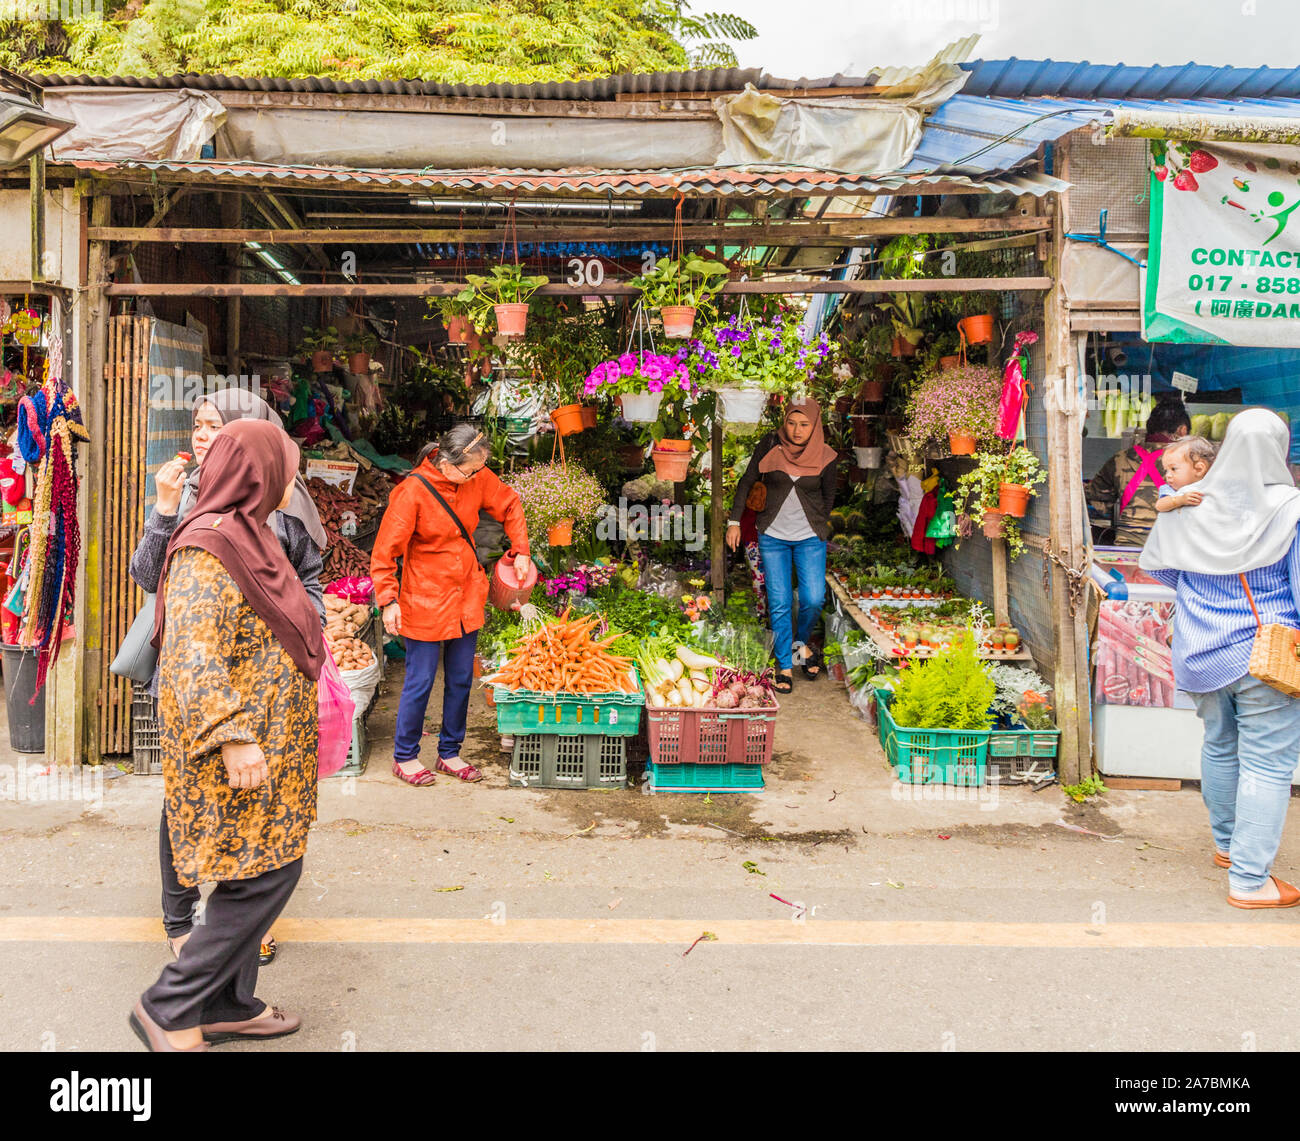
(38, 214)
(1065, 490)
(717, 518)
(92, 504)
(1000, 602)
(231, 217)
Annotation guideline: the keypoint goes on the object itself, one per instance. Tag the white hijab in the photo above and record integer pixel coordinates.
(1251, 508)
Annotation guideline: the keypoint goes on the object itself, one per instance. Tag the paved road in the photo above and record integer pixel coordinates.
(926, 924)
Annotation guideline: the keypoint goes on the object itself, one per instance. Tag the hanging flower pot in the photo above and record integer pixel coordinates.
(843, 404)
(868, 457)
(679, 321)
(641, 407)
(902, 347)
(741, 406)
(993, 524)
(977, 330)
(322, 360)
(1013, 499)
(864, 435)
(672, 460)
(560, 534)
(568, 419)
(961, 445)
(458, 329)
(512, 318)
(872, 391)
(359, 363)
(589, 418)
(951, 362)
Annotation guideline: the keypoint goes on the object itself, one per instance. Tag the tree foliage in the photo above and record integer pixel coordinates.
(452, 41)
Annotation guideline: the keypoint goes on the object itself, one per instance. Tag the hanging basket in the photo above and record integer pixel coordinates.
(864, 433)
(672, 460)
(641, 407)
(742, 405)
(679, 321)
(322, 360)
(1013, 499)
(872, 391)
(977, 330)
(359, 363)
(961, 445)
(993, 524)
(568, 420)
(512, 318)
(458, 329)
(560, 534)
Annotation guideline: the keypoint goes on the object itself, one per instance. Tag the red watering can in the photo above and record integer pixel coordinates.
(506, 591)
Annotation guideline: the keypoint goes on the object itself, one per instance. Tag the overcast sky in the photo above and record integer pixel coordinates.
(815, 38)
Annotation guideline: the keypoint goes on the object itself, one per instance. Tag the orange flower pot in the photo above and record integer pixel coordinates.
(359, 363)
(948, 363)
(568, 420)
(458, 329)
(560, 535)
(322, 360)
(588, 415)
(679, 320)
(961, 445)
(902, 347)
(512, 318)
(977, 330)
(993, 524)
(1013, 499)
(672, 460)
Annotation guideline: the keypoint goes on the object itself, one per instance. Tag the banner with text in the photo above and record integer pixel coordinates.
(1224, 260)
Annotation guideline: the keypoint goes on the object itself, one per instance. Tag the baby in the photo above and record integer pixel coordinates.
(1186, 460)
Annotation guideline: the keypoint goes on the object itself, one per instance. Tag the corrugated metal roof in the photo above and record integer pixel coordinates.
(1017, 78)
(978, 135)
(740, 182)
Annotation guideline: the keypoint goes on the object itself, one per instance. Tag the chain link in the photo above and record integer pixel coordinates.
(1076, 577)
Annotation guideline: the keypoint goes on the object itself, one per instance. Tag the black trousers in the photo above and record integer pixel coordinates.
(215, 978)
(178, 902)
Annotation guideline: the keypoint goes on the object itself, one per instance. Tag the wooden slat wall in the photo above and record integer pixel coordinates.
(126, 395)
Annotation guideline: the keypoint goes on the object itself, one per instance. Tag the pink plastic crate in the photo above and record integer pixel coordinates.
(711, 736)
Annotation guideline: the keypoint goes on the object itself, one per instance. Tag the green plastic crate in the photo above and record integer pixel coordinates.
(1042, 743)
(358, 754)
(933, 756)
(544, 760)
(521, 711)
(705, 778)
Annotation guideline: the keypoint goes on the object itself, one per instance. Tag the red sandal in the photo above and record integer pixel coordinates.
(469, 774)
(422, 779)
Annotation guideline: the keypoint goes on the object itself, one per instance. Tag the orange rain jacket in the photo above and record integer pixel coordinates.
(443, 589)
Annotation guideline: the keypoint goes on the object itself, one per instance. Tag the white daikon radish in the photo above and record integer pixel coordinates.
(699, 675)
(663, 668)
(699, 684)
(656, 699)
(694, 660)
(674, 698)
(676, 669)
(687, 693)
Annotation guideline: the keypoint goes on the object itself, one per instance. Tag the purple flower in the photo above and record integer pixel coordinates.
(736, 350)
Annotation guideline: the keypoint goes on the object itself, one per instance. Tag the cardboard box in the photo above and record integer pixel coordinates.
(336, 474)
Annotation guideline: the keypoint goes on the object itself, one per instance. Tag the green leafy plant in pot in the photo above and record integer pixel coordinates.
(978, 495)
(455, 316)
(678, 288)
(504, 292)
(360, 347)
(319, 347)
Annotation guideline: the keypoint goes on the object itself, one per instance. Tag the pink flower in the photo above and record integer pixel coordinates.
(627, 362)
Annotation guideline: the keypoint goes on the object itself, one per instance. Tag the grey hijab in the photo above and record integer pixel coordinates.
(240, 404)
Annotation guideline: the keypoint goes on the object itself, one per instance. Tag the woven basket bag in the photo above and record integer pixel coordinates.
(1274, 657)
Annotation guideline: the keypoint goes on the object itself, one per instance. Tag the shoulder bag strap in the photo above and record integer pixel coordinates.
(447, 508)
(1251, 599)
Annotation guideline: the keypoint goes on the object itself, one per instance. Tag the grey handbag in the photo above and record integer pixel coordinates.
(137, 658)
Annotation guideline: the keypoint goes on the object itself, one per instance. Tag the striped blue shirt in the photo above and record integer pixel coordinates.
(1214, 628)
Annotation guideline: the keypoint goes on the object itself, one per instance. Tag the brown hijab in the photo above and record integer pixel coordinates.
(243, 479)
(809, 458)
(240, 404)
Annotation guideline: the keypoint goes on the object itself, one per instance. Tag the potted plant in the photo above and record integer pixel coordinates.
(678, 288)
(360, 347)
(958, 405)
(672, 447)
(504, 290)
(455, 316)
(976, 330)
(320, 345)
(977, 498)
(560, 500)
(1021, 471)
(561, 347)
(639, 380)
(904, 311)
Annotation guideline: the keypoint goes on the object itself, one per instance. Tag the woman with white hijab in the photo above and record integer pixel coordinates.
(1246, 524)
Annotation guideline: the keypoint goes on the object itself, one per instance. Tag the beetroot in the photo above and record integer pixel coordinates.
(726, 700)
(756, 693)
(738, 688)
(749, 703)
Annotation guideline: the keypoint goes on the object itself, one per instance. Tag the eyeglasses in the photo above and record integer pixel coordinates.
(469, 474)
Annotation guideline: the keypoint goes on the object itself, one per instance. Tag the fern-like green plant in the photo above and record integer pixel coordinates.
(950, 690)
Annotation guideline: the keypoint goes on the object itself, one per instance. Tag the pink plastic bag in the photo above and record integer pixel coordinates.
(336, 710)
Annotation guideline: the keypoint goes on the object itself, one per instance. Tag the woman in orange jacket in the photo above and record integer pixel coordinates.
(438, 606)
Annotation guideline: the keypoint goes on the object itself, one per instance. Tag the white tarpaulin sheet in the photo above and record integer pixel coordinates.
(117, 124)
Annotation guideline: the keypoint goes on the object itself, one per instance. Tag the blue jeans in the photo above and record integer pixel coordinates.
(782, 560)
(1252, 743)
(458, 679)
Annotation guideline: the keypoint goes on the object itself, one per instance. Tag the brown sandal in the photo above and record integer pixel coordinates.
(1288, 896)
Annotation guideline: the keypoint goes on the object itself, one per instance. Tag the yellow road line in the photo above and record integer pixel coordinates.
(737, 932)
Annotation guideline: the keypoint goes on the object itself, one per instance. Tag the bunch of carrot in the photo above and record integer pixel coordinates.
(562, 657)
